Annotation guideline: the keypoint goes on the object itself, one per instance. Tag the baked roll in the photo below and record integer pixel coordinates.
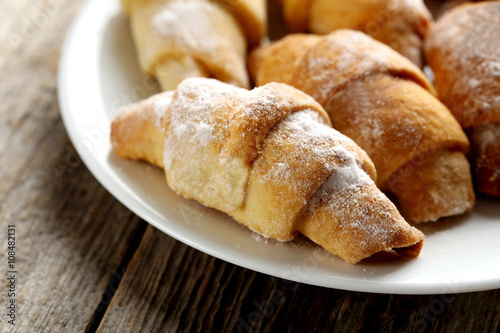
(268, 158)
(177, 39)
(463, 50)
(398, 23)
(387, 106)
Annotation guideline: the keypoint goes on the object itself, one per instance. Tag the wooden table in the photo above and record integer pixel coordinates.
(85, 263)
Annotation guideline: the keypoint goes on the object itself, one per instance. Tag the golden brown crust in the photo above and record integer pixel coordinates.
(398, 23)
(252, 122)
(308, 60)
(269, 158)
(373, 95)
(421, 181)
(463, 50)
(268, 64)
(394, 120)
(280, 186)
(139, 135)
(316, 224)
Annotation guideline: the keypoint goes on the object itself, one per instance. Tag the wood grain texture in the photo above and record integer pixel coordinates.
(87, 263)
(71, 234)
(170, 287)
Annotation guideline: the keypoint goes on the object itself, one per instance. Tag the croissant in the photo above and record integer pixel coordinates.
(176, 39)
(398, 23)
(386, 105)
(268, 158)
(463, 49)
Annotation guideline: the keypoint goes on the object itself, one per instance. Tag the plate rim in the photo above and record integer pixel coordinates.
(90, 161)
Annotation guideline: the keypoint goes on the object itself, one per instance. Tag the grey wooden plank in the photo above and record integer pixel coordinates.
(171, 287)
(71, 235)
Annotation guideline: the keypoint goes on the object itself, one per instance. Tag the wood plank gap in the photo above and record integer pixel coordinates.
(116, 280)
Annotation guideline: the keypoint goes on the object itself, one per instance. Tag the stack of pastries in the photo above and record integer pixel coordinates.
(341, 119)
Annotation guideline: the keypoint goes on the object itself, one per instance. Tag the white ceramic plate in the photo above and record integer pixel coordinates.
(99, 72)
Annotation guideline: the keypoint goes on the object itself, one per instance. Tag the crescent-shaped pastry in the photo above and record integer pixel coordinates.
(268, 158)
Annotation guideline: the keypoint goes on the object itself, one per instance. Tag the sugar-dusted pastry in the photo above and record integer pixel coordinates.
(176, 39)
(269, 158)
(463, 49)
(401, 24)
(386, 105)
(447, 5)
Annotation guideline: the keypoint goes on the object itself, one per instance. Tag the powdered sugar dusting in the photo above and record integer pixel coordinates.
(358, 210)
(466, 42)
(199, 133)
(196, 125)
(489, 134)
(303, 166)
(323, 142)
(495, 68)
(188, 22)
(192, 117)
(309, 121)
(347, 177)
(299, 155)
(351, 55)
